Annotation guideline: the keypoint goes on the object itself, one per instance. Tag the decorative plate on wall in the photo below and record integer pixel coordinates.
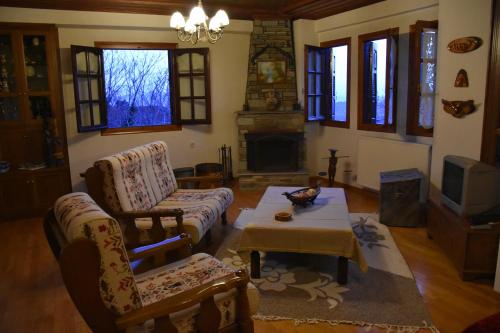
(465, 44)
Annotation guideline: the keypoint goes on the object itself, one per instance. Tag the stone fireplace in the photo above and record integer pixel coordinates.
(271, 149)
(270, 133)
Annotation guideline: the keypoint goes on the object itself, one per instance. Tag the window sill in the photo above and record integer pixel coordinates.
(140, 129)
(420, 132)
(377, 128)
(333, 123)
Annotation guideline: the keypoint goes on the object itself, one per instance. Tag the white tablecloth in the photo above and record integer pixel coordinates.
(322, 228)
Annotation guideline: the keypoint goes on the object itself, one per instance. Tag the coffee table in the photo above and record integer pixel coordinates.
(320, 228)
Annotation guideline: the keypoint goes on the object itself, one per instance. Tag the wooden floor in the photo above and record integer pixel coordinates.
(33, 297)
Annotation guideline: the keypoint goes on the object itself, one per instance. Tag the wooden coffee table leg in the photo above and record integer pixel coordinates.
(255, 265)
(342, 269)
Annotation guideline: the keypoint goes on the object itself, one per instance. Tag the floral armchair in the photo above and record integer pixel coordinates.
(138, 184)
(197, 293)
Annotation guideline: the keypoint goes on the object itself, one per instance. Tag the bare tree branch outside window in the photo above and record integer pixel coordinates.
(137, 88)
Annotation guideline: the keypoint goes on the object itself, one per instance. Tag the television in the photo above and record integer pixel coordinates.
(470, 188)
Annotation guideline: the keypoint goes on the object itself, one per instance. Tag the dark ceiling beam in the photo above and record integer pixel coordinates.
(318, 9)
(156, 7)
(245, 10)
(293, 5)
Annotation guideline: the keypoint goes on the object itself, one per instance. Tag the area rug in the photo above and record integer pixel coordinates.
(303, 287)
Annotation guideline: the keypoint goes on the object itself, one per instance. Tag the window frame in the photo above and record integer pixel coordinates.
(414, 60)
(175, 126)
(392, 36)
(75, 49)
(319, 116)
(207, 97)
(328, 121)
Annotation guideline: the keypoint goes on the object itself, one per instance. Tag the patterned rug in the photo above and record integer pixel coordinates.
(303, 287)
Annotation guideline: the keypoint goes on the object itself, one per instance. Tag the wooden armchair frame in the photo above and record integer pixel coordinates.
(94, 179)
(82, 283)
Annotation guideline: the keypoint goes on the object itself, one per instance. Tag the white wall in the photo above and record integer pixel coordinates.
(305, 34)
(192, 145)
(383, 15)
(229, 59)
(452, 136)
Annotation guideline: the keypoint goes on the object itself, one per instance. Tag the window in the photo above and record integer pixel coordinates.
(194, 87)
(315, 83)
(422, 78)
(130, 87)
(137, 87)
(377, 81)
(88, 85)
(328, 82)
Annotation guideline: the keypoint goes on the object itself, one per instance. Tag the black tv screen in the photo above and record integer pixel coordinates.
(453, 180)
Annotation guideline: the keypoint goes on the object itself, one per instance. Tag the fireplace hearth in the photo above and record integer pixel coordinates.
(273, 152)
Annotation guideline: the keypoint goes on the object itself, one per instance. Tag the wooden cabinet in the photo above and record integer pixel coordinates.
(31, 193)
(399, 198)
(31, 108)
(472, 251)
(490, 149)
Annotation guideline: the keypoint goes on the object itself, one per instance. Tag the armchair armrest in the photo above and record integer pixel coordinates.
(156, 215)
(211, 180)
(181, 242)
(203, 294)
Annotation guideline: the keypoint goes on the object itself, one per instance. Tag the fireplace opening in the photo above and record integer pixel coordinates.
(274, 152)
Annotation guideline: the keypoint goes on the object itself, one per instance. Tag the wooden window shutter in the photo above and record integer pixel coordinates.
(88, 81)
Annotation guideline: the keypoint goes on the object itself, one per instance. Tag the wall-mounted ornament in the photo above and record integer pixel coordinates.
(465, 44)
(462, 79)
(272, 98)
(458, 109)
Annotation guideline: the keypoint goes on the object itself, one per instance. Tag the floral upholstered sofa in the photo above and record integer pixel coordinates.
(141, 180)
(112, 299)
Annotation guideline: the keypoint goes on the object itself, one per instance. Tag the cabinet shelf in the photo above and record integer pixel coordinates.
(18, 172)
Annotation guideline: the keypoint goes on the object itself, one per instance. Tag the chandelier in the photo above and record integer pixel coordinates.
(196, 28)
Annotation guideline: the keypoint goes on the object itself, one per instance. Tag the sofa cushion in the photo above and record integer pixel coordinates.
(201, 210)
(219, 198)
(132, 185)
(180, 276)
(80, 217)
(159, 169)
(108, 185)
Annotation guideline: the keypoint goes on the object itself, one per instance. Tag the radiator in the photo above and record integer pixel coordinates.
(376, 155)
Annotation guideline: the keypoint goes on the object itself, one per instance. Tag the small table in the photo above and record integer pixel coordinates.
(321, 228)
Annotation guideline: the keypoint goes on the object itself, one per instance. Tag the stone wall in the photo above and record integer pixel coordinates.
(275, 34)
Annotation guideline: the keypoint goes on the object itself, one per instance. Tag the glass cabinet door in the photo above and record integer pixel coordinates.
(35, 63)
(9, 100)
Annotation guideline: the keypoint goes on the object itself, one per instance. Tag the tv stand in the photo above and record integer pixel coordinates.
(473, 251)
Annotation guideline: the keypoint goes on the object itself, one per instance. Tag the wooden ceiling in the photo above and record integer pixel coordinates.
(251, 9)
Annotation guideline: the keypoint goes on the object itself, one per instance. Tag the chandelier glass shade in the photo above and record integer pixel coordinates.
(196, 28)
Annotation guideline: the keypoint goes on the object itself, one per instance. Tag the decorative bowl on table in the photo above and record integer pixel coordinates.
(303, 196)
(283, 216)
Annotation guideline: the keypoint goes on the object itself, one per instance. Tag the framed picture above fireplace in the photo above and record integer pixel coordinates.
(269, 72)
